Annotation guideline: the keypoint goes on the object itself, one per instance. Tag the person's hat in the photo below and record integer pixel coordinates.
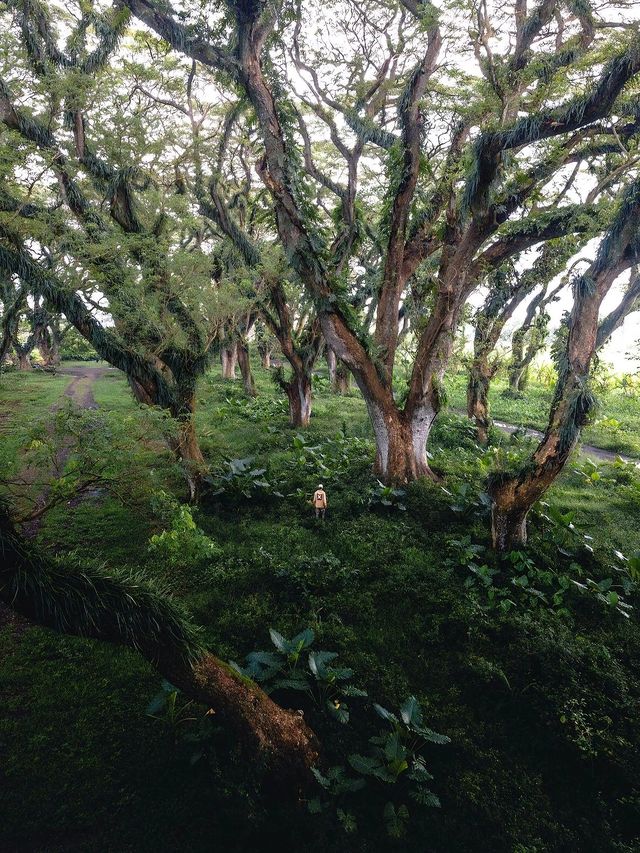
(320, 486)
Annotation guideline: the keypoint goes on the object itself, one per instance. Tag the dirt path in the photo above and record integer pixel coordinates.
(585, 449)
(80, 390)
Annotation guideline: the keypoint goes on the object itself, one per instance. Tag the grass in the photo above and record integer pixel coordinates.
(84, 768)
(532, 411)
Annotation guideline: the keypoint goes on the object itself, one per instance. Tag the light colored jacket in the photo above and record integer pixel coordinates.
(320, 499)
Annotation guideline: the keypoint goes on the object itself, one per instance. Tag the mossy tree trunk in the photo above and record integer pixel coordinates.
(116, 608)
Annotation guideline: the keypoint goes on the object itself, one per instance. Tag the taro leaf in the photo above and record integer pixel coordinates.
(386, 715)
(279, 641)
(426, 798)
(292, 683)
(395, 819)
(302, 640)
(322, 780)
(262, 665)
(350, 690)
(363, 764)
(433, 737)
(348, 821)
(369, 766)
(393, 748)
(411, 712)
(318, 661)
(338, 710)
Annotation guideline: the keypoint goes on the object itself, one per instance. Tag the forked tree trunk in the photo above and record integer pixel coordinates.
(332, 365)
(229, 360)
(480, 376)
(401, 442)
(244, 363)
(298, 391)
(47, 344)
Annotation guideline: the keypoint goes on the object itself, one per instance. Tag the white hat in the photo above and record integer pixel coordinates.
(320, 486)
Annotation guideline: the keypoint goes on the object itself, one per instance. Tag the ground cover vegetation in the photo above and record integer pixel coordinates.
(312, 193)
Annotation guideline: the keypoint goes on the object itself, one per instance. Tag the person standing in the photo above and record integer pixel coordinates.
(320, 501)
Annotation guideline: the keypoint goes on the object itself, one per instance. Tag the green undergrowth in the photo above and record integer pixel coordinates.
(528, 665)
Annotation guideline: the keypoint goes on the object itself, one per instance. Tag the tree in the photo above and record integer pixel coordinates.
(464, 159)
(141, 297)
(513, 495)
(508, 288)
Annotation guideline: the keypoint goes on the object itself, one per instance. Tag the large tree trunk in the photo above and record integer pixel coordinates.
(265, 357)
(508, 527)
(187, 449)
(518, 376)
(229, 360)
(125, 610)
(480, 375)
(343, 379)
(23, 360)
(298, 391)
(184, 444)
(244, 363)
(401, 442)
(332, 365)
(48, 346)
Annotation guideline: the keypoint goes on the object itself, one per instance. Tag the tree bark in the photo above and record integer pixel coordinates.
(401, 442)
(187, 449)
(244, 363)
(332, 366)
(265, 358)
(480, 376)
(229, 359)
(508, 527)
(23, 360)
(184, 444)
(298, 391)
(343, 379)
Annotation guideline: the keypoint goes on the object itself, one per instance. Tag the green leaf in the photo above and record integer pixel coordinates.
(386, 715)
(303, 640)
(279, 641)
(363, 764)
(338, 710)
(350, 690)
(318, 661)
(393, 748)
(411, 712)
(433, 737)
(322, 780)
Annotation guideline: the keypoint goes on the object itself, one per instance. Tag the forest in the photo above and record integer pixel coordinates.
(320, 426)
